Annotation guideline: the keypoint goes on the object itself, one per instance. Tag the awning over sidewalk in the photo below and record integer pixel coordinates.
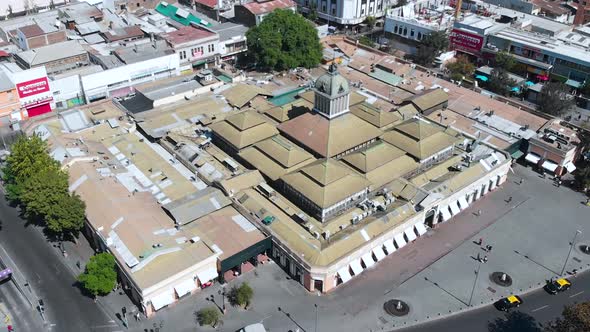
(185, 287)
(399, 240)
(162, 300)
(368, 260)
(207, 275)
(389, 246)
(356, 267)
(379, 254)
(570, 167)
(532, 158)
(420, 228)
(454, 208)
(446, 215)
(344, 274)
(549, 165)
(463, 203)
(410, 234)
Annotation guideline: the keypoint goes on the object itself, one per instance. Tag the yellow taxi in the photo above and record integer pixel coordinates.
(507, 303)
(557, 286)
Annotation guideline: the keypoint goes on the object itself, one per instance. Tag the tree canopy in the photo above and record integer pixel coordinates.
(241, 295)
(431, 46)
(35, 181)
(515, 321)
(555, 99)
(500, 82)
(505, 60)
(284, 40)
(462, 67)
(575, 318)
(100, 275)
(208, 316)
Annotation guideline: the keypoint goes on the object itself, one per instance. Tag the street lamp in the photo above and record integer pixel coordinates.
(578, 232)
(316, 317)
(474, 283)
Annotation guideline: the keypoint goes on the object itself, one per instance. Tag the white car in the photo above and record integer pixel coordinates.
(258, 327)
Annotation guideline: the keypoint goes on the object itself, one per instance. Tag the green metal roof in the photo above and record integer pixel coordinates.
(169, 10)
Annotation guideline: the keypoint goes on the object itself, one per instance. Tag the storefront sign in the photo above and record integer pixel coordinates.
(465, 41)
(32, 87)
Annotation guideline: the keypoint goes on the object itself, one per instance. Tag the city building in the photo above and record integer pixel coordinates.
(55, 58)
(33, 91)
(179, 15)
(416, 20)
(232, 40)
(35, 35)
(9, 102)
(555, 148)
(546, 8)
(582, 13)
(196, 46)
(252, 13)
(344, 13)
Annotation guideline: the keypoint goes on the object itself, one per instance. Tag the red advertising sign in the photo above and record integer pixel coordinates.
(465, 41)
(32, 87)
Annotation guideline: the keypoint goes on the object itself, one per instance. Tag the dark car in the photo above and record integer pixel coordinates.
(507, 303)
(557, 286)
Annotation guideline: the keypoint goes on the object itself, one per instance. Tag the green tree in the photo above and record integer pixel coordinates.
(500, 82)
(284, 40)
(432, 45)
(462, 67)
(366, 41)
(241, 295)
(555, 99)
(582, 178)
(371, 21)
(68, 215)
(575, 318)
(42, 192)
(100, 275)
(29, 156)
(400, 3)
(505, 60)
(208, 316)
(312, 15)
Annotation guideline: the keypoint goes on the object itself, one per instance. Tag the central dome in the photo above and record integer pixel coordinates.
(332, 83)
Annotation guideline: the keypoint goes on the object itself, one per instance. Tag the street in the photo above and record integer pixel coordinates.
(66, 309)
(539, 304)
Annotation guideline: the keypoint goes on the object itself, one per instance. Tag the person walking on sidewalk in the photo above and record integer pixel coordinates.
(521, 181)
(485, 259)
(488, 248)
(480, 242)
(509, 199)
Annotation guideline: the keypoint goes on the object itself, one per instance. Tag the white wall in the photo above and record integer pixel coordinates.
(66, 88)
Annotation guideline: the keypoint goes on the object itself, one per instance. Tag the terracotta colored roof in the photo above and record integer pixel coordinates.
(4, 54)
(258, 8)
(208, 3)
(124, 33)
(553, 7)
(186, 34)
(31, 30)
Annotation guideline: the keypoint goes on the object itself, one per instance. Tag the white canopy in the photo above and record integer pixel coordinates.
(356, 267)
(344, 274)
(185, 287)
(446, 215)
(368, 260)
(379, 254)
(463, 203)
(532, 157)
(570, 167)
(399, 240)
(420, 228)
(454, 208)
(389, 246)
(410, 234)
(162, 300)
(549, 165)
(207, 275)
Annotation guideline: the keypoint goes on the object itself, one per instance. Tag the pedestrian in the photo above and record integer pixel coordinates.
(558, 183)
(509, 199)
(78, 264)
(521, 181)
(479, 214)
(488, 248)
(480, 242)
(485, 259)
(574, 272)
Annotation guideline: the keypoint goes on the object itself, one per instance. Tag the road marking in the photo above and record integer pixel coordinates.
(578, 293)
(540, 308)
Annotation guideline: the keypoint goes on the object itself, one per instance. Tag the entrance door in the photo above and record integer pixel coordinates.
(318, 285)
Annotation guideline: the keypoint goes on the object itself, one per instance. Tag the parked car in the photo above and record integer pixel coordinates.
(258, 327)
(557, 286)
(507, 303)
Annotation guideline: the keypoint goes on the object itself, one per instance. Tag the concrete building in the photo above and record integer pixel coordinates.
(55, 58)
(34, 36)
(232, 40)
(555, 148)
(546, 8)
(196, 46)
(416, 20)
(9, 102)
(252, 13)
(344, 13)
(119, 81)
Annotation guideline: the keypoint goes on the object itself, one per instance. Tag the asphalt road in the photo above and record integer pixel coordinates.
(538, 304)
(66, 308)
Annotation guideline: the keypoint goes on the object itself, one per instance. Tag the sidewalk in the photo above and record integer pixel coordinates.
(5, 318)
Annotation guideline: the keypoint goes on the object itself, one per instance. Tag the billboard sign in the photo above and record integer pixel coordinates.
(465, 41)
(32, 87)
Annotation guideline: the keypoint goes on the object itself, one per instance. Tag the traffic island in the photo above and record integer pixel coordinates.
(585, 249)
(396, 308)
(501, 279)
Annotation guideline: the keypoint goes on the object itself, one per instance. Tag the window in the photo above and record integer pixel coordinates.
(412, 33)
(182, 55)
(395, 29)
(323, 8)
(333, 11)
(211, 48)
(138, 4)
(419, 35)
(405, 32)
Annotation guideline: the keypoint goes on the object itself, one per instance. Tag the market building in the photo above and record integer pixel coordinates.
(555, 148)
